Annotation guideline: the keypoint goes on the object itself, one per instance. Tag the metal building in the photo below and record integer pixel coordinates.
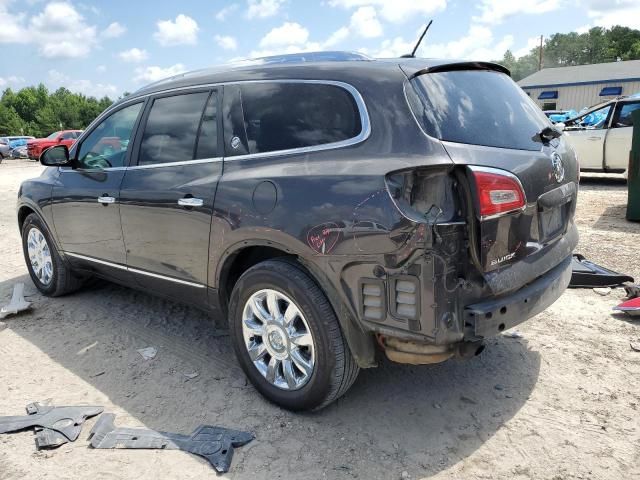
(572, 88)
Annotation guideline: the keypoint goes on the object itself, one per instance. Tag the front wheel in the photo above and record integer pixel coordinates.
(47, 270)
(287, 337)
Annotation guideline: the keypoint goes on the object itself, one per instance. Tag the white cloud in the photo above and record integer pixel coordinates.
(61, 32)
(11, 81)
(133, 55)
(263, 8)
(223, 13)
(58, 79)
(607, 13)
(114, 30)
(182, 31)
(226, 42)
(477, 44)
(13, 26)
(496, 11)
(364, 22)
(154, 73)
(101, 68)
(337, 37)
(396, 11)
(287, 34)
(533, 42)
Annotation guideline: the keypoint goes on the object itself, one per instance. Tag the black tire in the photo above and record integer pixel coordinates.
(335, 369)
(63, 280)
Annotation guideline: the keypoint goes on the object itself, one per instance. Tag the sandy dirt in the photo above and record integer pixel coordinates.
(560, 403)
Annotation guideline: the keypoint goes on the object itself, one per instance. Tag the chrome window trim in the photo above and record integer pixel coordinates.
(365, 122)
(143, 167)
(134, 270)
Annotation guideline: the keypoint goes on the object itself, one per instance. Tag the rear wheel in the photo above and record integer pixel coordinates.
(287, 337)
(47, 270)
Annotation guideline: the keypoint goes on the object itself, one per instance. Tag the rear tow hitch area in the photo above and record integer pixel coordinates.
(415, 353)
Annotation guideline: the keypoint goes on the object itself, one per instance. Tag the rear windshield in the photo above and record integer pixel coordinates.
(478, 107)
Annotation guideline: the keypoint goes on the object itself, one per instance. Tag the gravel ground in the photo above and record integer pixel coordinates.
(562, 402)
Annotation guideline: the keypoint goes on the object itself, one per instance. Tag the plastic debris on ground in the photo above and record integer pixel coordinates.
(512, 334)
(586, 274)
(215, 444)
(148, 353)
(604, 291)
(633, 291)
(17, 303)
(630, 307)
(54, 426)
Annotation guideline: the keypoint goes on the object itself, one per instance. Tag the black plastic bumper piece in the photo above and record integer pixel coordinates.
(491, 317)
(56, 425)
(587, 274)
(212, 443)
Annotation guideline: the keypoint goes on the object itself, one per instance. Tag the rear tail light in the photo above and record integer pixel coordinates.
(497, 191)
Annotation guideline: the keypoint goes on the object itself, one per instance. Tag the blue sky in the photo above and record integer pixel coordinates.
(106, 47)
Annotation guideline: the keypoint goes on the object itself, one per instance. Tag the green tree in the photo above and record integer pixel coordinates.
(10, 121)
(598, 45)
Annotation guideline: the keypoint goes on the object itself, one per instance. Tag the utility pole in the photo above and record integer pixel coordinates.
(540, 55)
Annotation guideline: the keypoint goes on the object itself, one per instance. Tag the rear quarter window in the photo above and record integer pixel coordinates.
(285, 116)
(476, 107)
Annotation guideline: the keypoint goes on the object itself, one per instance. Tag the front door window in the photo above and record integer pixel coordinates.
(106, 146)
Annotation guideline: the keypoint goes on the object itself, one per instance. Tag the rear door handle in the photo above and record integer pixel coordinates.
(593, 138)
(191, 202)
(105, 199)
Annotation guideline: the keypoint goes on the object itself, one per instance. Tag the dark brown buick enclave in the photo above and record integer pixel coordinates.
(330, 205)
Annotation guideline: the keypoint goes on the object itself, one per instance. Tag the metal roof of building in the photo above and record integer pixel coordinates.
(584, 74)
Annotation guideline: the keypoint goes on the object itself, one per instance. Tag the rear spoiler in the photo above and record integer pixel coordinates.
(453, 67)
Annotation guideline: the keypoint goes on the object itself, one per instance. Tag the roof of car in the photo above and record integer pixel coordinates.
(313, 65)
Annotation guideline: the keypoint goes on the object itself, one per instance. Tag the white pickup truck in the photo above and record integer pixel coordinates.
(601, 136)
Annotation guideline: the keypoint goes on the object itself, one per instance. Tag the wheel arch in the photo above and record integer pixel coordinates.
(243, 256)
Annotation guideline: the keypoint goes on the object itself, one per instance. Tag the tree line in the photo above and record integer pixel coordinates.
(597, 45)
(36, 111)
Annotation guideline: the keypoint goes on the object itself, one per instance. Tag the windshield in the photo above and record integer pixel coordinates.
(478, 107)
(53, 135)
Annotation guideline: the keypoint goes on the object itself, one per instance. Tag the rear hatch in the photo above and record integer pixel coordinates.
(491, 130)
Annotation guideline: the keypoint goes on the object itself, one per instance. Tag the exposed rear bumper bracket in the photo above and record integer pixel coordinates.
(493, 316)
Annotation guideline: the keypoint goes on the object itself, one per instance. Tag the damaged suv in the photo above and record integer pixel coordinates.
(331, 206)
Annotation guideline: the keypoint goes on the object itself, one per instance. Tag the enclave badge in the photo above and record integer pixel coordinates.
(558, 167)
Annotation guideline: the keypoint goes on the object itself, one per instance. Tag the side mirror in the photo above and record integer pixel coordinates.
(560, 126)
(57, 156)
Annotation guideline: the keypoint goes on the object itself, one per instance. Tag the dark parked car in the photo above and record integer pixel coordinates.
(330, 209)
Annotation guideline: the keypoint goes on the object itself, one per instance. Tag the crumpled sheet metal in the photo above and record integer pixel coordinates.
(56, 425)
(216, 444)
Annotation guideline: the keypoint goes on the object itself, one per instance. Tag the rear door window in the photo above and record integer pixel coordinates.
(172, 128)
(624, 118)
(476, 107)
(284, 116)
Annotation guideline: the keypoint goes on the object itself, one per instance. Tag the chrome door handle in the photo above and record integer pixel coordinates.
(593, 138)
(106, 200)
(191, 202)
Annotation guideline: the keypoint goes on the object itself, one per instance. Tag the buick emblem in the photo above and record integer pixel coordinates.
(558, 167)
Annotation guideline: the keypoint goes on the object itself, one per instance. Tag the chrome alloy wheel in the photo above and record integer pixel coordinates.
(40, 256)
(278, 339)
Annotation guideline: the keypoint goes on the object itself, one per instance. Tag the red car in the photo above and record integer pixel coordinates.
(39, 145)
